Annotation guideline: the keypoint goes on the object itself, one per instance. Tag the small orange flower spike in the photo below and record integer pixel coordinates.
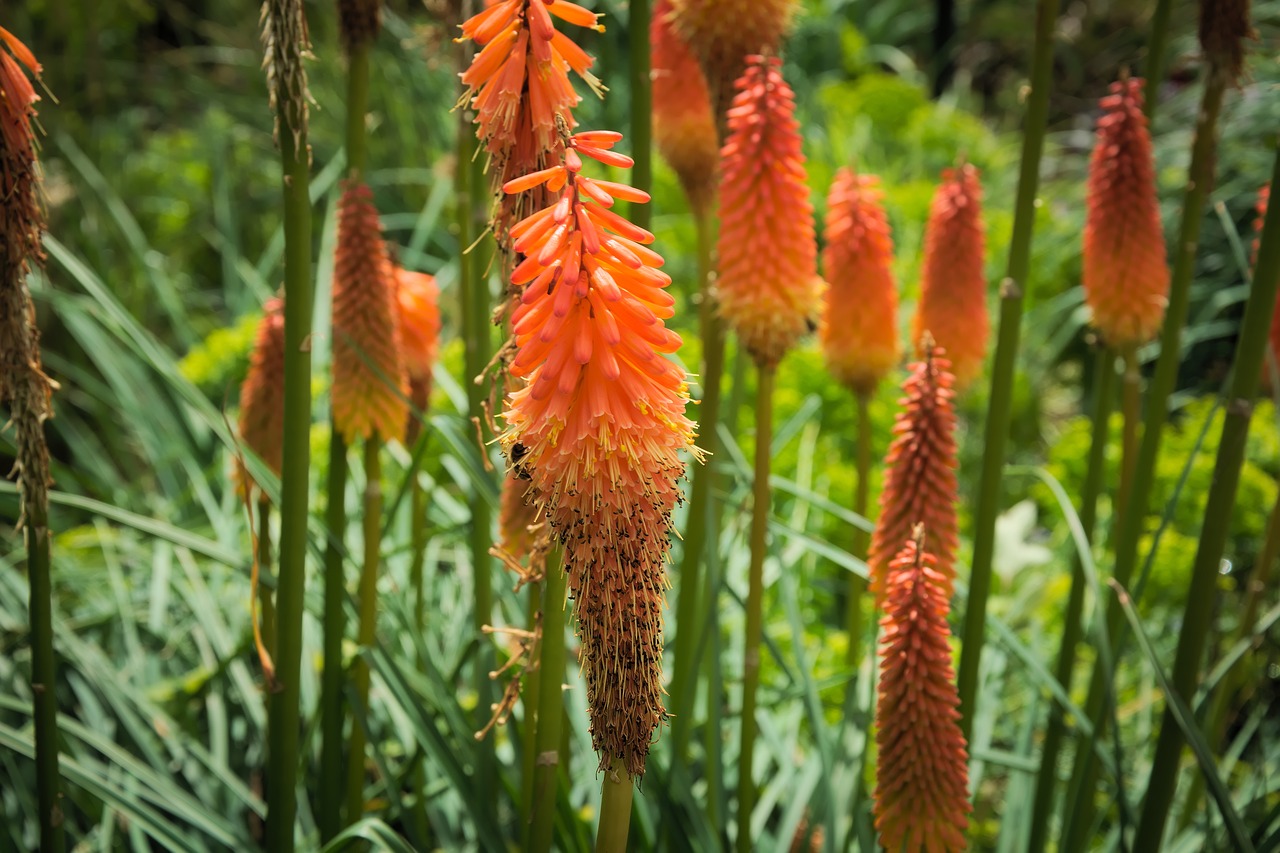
(262, 394)
(1125, 273)
(722, 33)
(769, 288)
(922, 764)
(953, 286)
(859, 329)
(599, 428)
(920, 474)
(369, 387)
(683, 126)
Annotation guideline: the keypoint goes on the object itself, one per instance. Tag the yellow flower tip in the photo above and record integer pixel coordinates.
(768, 287)
(369, 378)
(953, 287)
(859, 326)
(684, 128)
(1124, 269)
(262, 394)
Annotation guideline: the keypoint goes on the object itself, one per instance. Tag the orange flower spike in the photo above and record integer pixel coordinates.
(953, 286)
(418, 298)
(262, 394)
(369, 387)
(684, 128)
(920, 473)
(16, 93)
(859, 329)
(1125, 272)
(598, 430)
(922, 764)
(768, 286)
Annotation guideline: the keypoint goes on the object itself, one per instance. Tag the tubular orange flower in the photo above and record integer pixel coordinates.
(262, 394)
(1125, 273)
(369, 386)
(953, 287)
(683, 126)
(599, 427)
(922, 764)
(722, 33)
(859, 328)
(920, 473)
(417, 296)
(769, 288)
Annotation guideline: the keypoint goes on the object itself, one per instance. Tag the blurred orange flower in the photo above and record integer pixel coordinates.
(262, 394)
(683, 127)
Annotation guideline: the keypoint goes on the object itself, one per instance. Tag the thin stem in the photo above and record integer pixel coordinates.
(332, 748)
(417, 509)
(755, 605)
(1012, 291)
(265, 597)
(546, 744)
(1198, 612)
(858, 585)
(1131, 406)
(615, 809)
(529, 697)
(1154, 71)
(357, 108)
(1200, 180)
(641, 107)
(1047, 780)
(367, 596)
(689, 621)
(285, 18)
(43, 673)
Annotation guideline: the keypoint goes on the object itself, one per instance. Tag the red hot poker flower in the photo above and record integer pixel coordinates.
(859, 329)
(769, 288)
(1125, 273)
(920, 473)
(599, 428)
(262, 394)
(683, 127)
(922, 764)
(953, 285)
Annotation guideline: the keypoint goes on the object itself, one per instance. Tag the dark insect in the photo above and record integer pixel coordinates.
(518, 452)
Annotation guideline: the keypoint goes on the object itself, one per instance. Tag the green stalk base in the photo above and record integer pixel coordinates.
(366, 631)
(615, 809)
(546, 743)
(332, 748)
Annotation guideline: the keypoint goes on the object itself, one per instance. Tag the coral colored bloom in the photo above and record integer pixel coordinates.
(262, 394)
(953, 286)
(419, 321)
(1125, 273)
(369, 386)
(859, 329)
(769, 288)
(920, 473)
(722, 33)
(922, 764)
(683, 127)
(599, 428)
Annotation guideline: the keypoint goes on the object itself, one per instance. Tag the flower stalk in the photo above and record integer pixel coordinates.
(615, 810)
(638, 19)
(550, 707)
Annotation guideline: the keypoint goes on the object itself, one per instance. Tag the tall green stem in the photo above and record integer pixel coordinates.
(689, 622)
(1155, 56)
(1198, 612)
(857, 584)
(1047, 780)
(287, 42)
(755, 604)
(43, 673)
(641, 107)
(1131, 406)
(265, 598)
(530, 693)
(332, 747)
(371, 523)
(615, 809)
(1079, 817)
(1012, 292)
(546, 743)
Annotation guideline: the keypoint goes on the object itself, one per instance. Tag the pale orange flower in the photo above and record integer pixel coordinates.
(599, 428)
(683, 127)
(768, 286)
(1124, 271)
(262, 394)
(369, 387)
(953, 285)
(922, 764)
(860, 326)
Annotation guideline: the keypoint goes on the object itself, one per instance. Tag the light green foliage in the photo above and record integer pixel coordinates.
(221, 359)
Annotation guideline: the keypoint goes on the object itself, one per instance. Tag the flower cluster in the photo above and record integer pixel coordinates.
(859, 328)
(769, 288)
(598, 428)
(262, 394)
(683, 127)
(1125, 273)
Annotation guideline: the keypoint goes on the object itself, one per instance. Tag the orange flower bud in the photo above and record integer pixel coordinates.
(369, 387)
(859, 329)
(683, 127)
(262, 394)
(922, 764)
(953, 285)
(768, 286)
(920, 473)
(1125, 273)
